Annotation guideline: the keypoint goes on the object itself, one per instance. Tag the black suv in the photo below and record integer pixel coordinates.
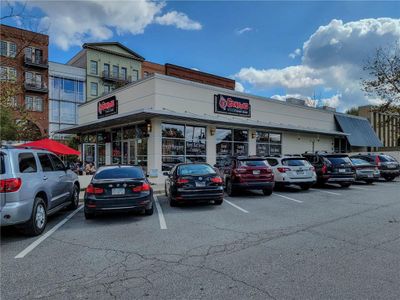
(387, 165)
(332, 168)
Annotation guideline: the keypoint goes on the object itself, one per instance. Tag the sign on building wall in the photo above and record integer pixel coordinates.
(229, 105)
(107, 107)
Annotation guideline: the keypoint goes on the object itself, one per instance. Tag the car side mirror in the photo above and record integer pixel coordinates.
(166, 173)
(147, 175)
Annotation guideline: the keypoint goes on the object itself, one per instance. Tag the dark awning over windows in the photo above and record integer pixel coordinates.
(360, 131)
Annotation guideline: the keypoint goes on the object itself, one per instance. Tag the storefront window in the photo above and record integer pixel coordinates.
(231, 142)
(101, 155)
(89, 138)
(116, 152)
(67, 112)
(268, 143)
(182, 143)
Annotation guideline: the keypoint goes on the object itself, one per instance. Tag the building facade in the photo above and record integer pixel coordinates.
(24, 60)
(108, 66)
(387, 127)
(162, 120)
(67, 89)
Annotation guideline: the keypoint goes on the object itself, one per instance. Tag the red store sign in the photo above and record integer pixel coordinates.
(229, 105)
(107, 107)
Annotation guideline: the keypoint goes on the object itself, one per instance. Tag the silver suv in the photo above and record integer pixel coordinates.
(34, 184)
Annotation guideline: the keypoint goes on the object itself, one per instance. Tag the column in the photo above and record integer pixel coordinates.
(211, 145)
(154, 142)
(252, 142)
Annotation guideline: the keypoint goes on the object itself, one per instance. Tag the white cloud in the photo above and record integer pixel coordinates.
(71, 23)
(332, 61)
(295, 53)
(180, 20)
(243, 30)
(239, 87)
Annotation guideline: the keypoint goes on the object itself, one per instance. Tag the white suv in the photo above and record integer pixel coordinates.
(290, 170)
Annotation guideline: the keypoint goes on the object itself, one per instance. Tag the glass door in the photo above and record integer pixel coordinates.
(128, 152)
(89, 153)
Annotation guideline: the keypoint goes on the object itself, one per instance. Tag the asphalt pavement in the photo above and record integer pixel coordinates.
(325, 243)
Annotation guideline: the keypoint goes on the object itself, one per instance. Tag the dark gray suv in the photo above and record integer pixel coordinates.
(33, 185)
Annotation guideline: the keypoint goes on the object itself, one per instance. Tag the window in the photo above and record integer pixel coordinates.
(123, 172)
(33, 55)
(123, 73)
(135, 75)
(231, 142)
(2, 164)
(106, 71)
(3, 48)
(107, 88)
(93, 67)
(272, 162)
(8, 73)
(182, 143)
(67, 112)
(93, 89)
(33, 79)
(115, 71)
(27, 163)
(69, 88)
(33, 103)
(13, 101)
(12, 49)
(268, 143)
(58, 164)
(188, 170)
(45, 162)
(8, 49)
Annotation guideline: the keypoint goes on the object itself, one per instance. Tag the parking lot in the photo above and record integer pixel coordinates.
(323, 243)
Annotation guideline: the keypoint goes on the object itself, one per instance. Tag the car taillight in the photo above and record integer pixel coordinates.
(216, 180)
(94, 190)
(10, 185)
(145, 187)
(182, 181)
(377, 161)
(283, 169)
(324, 169)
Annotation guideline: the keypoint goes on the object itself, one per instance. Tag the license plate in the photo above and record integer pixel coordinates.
(118, 191)
(300, 172)
(342, 170)
(200, 184)
(391, 166)
(256, 172)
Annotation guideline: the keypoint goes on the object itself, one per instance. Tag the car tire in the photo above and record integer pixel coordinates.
(305, 187)
(173, 203)
(150, 211)
(218, 202)
(89, 216)
(38, 221)
(74, 198)
(165, 190)
(389, 178)
(369, 181)
(267, 192)
(230, 189)
(345, 185)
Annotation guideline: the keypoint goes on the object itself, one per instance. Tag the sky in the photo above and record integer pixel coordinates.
(303, 49)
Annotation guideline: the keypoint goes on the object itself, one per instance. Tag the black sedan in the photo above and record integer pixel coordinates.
(193, 182)
(118, 188)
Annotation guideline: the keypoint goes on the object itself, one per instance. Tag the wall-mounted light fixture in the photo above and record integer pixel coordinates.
(148, 126)
(212, 131)
(253, 134)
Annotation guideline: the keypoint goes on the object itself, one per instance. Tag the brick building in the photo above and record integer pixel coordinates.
(24, 60)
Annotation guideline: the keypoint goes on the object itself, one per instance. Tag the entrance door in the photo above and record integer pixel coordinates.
(128, 152)
(89, 153)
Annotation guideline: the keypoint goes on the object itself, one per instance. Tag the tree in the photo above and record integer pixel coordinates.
(384, 78)
(352, 111)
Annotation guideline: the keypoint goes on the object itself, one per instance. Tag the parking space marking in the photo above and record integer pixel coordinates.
(163, 224)
(36, 243)
(359, 188)
(291, 199)
(236, 206)
(323, 191)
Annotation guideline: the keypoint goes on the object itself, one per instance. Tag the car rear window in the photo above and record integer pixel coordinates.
(195, 169)
(2, 164)
(252, 163)
(338, 160)
(27, 163)
(359, 161)
(386, 158)
(119, 172)
(293, 162)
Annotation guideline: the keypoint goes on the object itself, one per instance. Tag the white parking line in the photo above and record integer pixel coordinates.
(359, 188)
(323, 191)
(163, 225)
(36, 243)
(298, 201)
(235, 206)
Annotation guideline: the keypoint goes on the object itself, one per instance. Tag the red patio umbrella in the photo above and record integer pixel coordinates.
(52, 146)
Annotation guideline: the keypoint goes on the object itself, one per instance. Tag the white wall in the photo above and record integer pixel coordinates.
(298, 143)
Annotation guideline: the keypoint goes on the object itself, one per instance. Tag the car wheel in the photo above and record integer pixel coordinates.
(74, 198)
(229, 189)
(305, 187)
(165, 190)
(267, 192)
(345, 185)
(218, 202)
(150, 211)
(89, 215)
(37, 222)
(173, 203)
(389, 178)
(369, 181)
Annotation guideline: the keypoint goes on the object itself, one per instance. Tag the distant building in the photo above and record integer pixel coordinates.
(24, 59)
(108, 66)
(67, 89)
(149, 68)
(386, 127)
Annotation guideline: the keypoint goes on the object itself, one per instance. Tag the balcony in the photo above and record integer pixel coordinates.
(38, 87)
(115, 77)
(36, 62)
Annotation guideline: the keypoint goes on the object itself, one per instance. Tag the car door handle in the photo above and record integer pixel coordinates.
(45, 177)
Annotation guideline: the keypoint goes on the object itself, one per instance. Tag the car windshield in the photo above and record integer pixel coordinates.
(252, 163)
(119, 172)
(339, 160)
(2, 165)
(195, 169)
(386, 158)
(359, 161)
(293, 162)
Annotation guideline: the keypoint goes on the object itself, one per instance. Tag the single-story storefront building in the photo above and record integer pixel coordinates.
(161, 120)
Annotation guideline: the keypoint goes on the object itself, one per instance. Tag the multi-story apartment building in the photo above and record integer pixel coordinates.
(149, 68)
(67, 89)
(108, 66)
(24, 60)
(387, 127)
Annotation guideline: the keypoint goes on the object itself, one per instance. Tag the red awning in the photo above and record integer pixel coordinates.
(52, 146)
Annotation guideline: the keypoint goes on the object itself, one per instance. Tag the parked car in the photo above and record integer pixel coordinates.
(193, 182)
(365, 171)
(332, 168)
(388, 166)
(34, 184)
(292, 170)
(118, 188)
(246, 172)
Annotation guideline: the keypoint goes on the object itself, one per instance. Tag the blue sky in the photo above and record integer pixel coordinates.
(248, 41)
